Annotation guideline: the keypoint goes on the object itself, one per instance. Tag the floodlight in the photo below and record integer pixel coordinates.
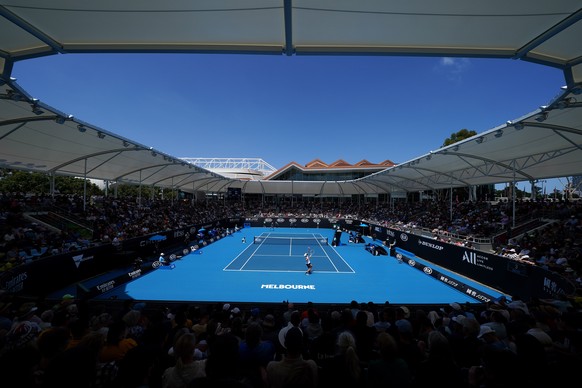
(36, 110)
(542, 117)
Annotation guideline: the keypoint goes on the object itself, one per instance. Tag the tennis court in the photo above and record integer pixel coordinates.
(284, 252)
(258, 272)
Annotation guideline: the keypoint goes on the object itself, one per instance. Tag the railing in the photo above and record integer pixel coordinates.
(71, 217)
(62, 222)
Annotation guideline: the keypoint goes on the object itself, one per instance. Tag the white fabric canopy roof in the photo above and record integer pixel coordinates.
(546, 143)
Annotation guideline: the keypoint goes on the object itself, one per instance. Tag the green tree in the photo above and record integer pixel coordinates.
(72, 185)
(16, 181)
(37, 183)
(456, 137)
(133, 191)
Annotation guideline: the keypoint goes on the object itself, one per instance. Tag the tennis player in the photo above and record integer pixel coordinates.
(307, 256)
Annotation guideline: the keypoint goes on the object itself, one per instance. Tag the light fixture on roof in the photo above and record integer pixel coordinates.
(542, 117)
(61, 120)
(576, 89)
(4, 81)
(154, 154)
(428, 157)
(35, 109)
(456, 148)
(100, 135)
(126, 144)
(515, 124)
(15, 96)
(566, 102)
(480, 139)
(81, 128)
(499, 133)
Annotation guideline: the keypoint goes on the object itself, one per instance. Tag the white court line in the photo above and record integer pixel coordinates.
(278, 271)
(341, 257)
(254, 253)
(237, 256)
(328, 258)
(245, 263)
(300, 256)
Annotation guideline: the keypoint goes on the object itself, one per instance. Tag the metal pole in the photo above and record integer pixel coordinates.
(513, 198)
(85, 186)
(451, 204)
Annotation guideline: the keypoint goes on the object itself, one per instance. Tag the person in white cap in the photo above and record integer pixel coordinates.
(490, 338)
(162, 259)
(512, 254)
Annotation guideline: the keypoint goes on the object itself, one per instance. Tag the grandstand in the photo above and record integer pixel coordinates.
(550, 132)
(545, 143)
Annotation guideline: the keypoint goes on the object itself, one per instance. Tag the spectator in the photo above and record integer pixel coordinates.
(440, 364)
(255, 354)
(389, 370)
(344, 368)
(293, 370)
(117, 343)
(186, 368)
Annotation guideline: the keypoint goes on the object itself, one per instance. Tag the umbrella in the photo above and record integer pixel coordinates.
(157, 237)
(362, 225)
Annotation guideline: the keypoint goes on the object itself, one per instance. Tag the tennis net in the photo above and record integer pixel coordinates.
(290, 240)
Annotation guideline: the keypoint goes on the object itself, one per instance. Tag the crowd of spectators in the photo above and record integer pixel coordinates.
(555, 245)
(70, 344)
(358, 344)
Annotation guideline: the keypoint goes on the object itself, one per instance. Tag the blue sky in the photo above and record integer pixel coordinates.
(284, 109)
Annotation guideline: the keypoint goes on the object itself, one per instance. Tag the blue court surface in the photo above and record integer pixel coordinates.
(271, 269)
